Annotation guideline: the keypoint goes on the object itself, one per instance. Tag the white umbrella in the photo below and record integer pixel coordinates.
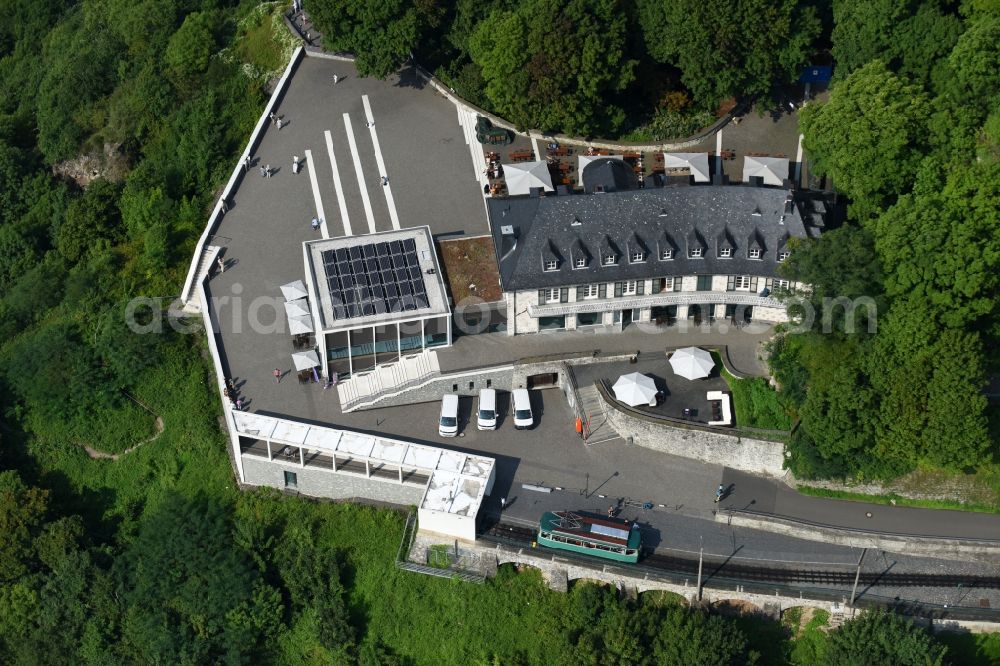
(692, 363)
(299, 308)
(584, 160)
(635, 389)
(294, 290)
(305, 359)
(302, 324)
(523, 176)
(774, 170)
(697, 163)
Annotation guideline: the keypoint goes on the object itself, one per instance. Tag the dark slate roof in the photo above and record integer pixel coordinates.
(591, 225)
(614, 175)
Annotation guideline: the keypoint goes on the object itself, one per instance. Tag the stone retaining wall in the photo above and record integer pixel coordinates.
(757, 456)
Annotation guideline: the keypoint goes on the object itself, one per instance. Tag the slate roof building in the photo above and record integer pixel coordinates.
(616, 258)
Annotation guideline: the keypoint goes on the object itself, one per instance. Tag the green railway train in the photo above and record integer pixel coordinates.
(617, 540)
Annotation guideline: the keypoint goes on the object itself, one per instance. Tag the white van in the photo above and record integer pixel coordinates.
(523, 418)
(448, 423)
(486, 417)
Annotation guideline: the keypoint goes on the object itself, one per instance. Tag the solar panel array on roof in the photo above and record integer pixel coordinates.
(609, 531)
(375, 278)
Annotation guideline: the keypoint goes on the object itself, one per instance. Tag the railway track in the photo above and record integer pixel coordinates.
(668, 564)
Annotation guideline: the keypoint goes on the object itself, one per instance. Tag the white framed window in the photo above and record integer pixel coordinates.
(610, 260)
(754, 253)
(552, 295)
(666, 253)
(591, 291)
(551, 265)
(741, 283)
(581, 262)
(630, 287)
(726, 252)
(637, 255)
(668, 284)
(783, 285)
(784, 254)
(695, 252)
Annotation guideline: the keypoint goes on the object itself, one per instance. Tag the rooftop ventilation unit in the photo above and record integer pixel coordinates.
(507, 230)
(576, 222)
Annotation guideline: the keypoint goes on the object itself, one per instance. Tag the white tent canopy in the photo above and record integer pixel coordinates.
(635, 389)
(697, 163)
(523, 176)
(302, 324)
(584, 160)
(692, 363)
(293, 290)
(305, 359)
(774, 170)
(297, 308)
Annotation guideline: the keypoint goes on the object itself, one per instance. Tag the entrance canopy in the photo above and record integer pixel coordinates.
(774, 170)
(697, 163)
(523, 176)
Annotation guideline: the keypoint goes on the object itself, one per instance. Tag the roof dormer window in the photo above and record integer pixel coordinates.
(551, 265)
(695, 252)
(754, 253)
(581, 262)
(666, 253)
(783, 254)
(637, 256)
(725, 252)
(610, 260)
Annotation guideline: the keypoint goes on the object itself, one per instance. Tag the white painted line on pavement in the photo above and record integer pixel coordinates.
(320, 213)
(534, 144)
(337, 185)
(361, 177)
(718, 152)
(381, 164)
(798, 162)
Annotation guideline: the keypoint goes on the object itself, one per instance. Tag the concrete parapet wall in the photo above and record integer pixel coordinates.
(329, 484)
(750, 455)
(987, 552)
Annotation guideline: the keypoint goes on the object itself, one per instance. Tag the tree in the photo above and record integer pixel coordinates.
(686, 637)
(729, 47)
(189, 50)
(882, 638)
(22, 514)
(910, 36)
(555, 65)
(92, 221)
(869, 136)
(381, 35)
(975, 60)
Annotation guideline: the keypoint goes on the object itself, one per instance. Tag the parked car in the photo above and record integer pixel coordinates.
(486, 416)
(523, 418)
(448, 423)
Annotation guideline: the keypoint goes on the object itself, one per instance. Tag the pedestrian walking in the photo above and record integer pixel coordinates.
(277, 376)
(295, 163)
(385, 181)
(273, 117)
(503, 503)
(225, 205)
(611, 511)
(370, 123)
(222, 265)
(315, 224)
(279, 123)
(267, 170)
(239, 404)
(263, 172)
(225, 392)
(335, 79)
(230, 385)
(246, 164)
(719, 493)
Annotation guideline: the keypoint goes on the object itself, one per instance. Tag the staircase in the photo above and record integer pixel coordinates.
(593, 406)
(387, 379)
(208, 256)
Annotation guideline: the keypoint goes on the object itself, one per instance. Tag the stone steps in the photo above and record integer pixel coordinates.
(593, 406)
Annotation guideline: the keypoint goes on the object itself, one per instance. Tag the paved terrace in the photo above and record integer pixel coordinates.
(432, 182)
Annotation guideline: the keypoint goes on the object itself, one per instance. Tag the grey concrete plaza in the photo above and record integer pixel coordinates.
(422, 151)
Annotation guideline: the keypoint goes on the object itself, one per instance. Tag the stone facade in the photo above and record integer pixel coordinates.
(757, 456)
(524, 308)
(329, 484)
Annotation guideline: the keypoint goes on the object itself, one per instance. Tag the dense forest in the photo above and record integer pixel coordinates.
(118, 124)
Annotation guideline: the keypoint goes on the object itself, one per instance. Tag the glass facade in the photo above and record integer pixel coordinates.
(588, 319)
(362, 349)
(551, 323)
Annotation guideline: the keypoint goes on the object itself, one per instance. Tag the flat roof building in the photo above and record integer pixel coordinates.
(378, 295)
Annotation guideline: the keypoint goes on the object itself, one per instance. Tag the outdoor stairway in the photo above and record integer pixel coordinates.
(467, 119)
(367, 387)
(593, 407)
(208, 256)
